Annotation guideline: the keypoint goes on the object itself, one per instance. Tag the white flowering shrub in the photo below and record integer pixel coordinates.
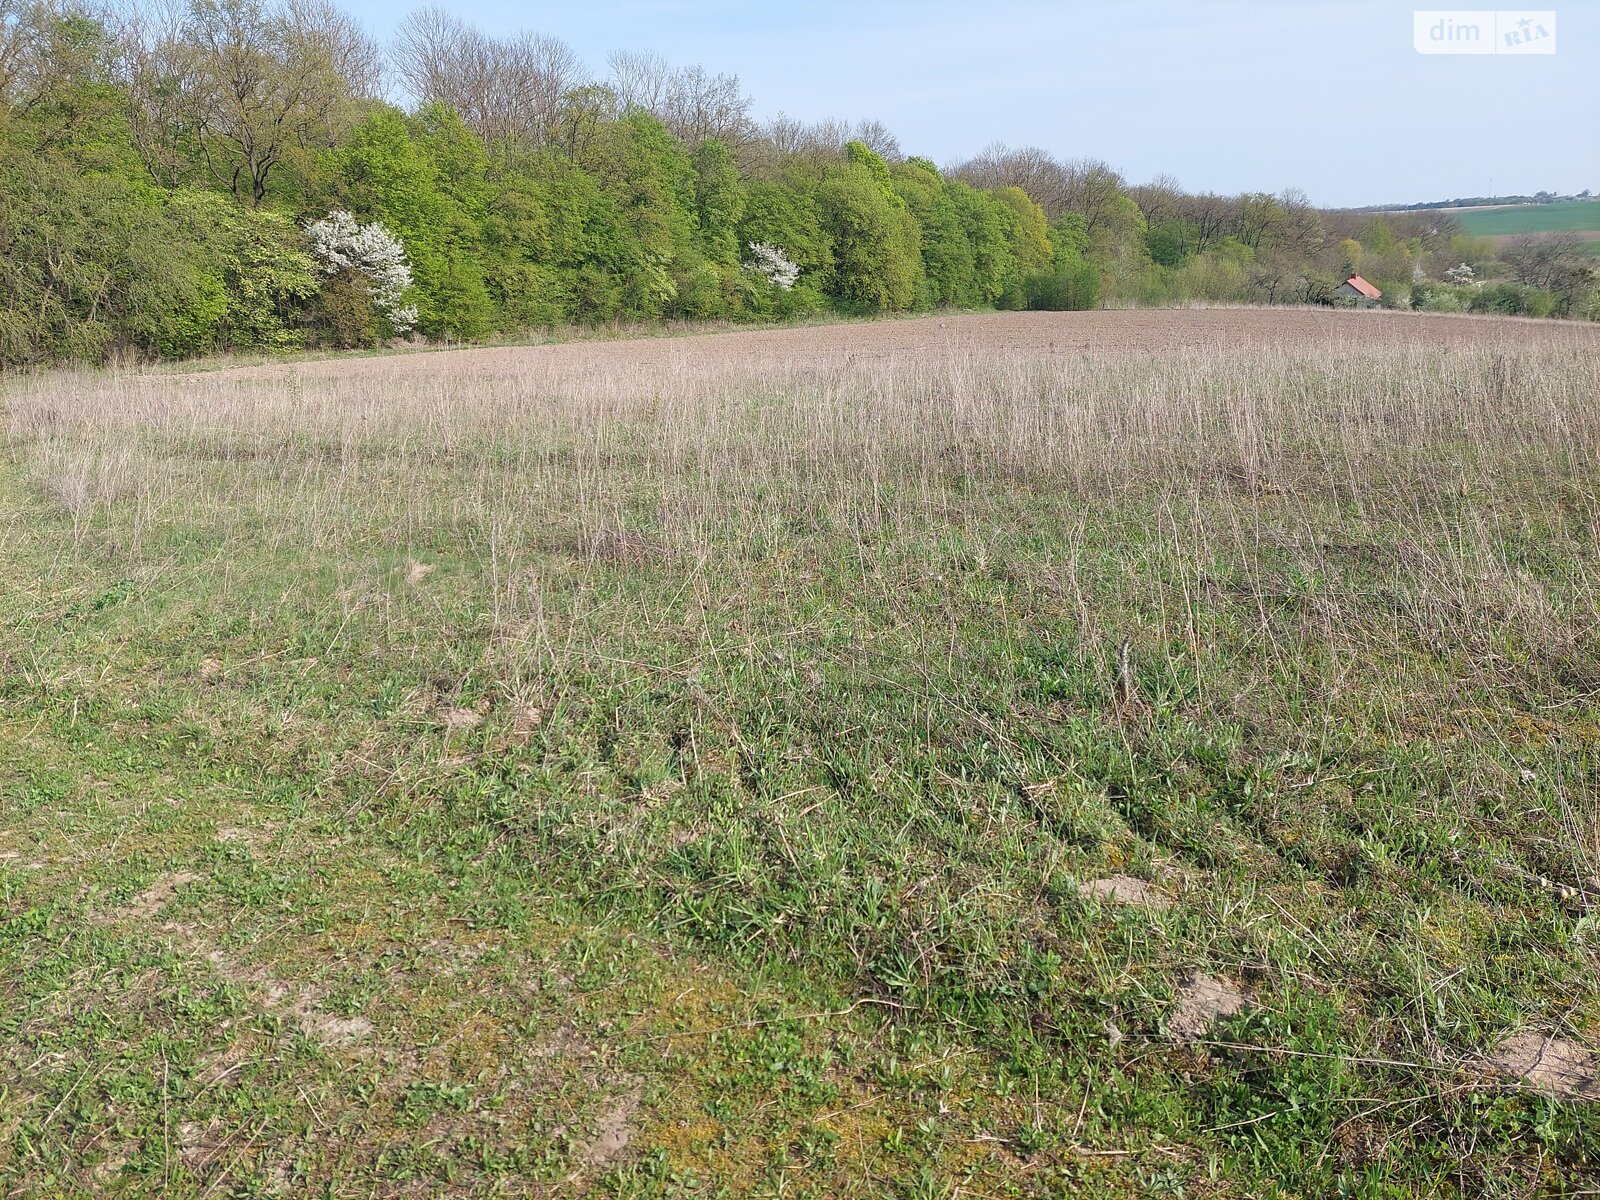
(774, 265)
(343, 246)
(1461, 275)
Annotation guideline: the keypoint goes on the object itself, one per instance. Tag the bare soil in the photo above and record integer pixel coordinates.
(1127, 889)
(1202, 999)
(1553, 1065)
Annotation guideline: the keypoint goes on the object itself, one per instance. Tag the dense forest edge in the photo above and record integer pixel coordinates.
(232, 176)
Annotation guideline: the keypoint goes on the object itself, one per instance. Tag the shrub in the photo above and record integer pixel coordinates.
(1427, 296)
(1068, 287)
(367, 277)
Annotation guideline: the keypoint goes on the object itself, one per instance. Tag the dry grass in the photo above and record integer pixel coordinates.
(806, 648)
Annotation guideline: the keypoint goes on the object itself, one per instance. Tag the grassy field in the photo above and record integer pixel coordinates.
(1566, 216)
(1105, 754)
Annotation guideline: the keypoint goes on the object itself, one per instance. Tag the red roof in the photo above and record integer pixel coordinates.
(1365, 288)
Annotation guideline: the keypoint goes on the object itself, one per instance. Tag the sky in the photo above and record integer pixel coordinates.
(1243, 95)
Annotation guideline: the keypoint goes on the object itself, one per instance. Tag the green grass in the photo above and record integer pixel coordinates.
(1565, 216)
(400, 792)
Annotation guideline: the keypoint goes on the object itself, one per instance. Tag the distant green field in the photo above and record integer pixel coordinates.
(1567, 216)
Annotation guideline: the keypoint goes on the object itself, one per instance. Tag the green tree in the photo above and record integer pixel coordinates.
(384, 173)
(875, 262)
(652, 178)
(719, 203)
(1172, 242)
(1028, 235)
(949, 270)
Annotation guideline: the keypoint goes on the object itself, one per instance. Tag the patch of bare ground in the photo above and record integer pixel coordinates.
(416, 572)
(248, 836)
(200, 1142)
(1554, 1065)
(153, 899)
(458, 719)
(1200, 1002)
(615, 1128)
(1127, 889)
(298, 1004)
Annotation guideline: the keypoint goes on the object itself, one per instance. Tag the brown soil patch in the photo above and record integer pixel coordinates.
(615, 1129)
(1556, 1066)
(156, 897)
(199, 1143)
(1202, 999)
(563, 1043)
(298, 1004)
(246, 835)
(1127, 889)
(460, 718)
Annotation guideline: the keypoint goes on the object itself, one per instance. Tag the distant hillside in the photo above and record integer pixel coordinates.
(1475, 202)
(1568, 216)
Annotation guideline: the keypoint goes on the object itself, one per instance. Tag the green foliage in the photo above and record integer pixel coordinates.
(1351, 253)
(91, 265)
(422, 180)
(987, 223)
(719, 203)
(1429, 296)
(352, 319)
(140, 216)
(255, 260)
(653, 181)
(1218, 274)
(1172, 242)
(1027, 238)
(876, 263)
(1514, 300)
(1070, 285)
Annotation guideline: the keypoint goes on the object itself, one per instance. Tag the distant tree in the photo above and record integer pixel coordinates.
(509, 90)
(1263, 222)
(719, 203)
(693, 104)
(55, 67)
(254, 261)
(1159, 200)
(1033, 170)
(949, 272)
(258, 84)
(1301, 230)
(1550, 262)
(91, 264)
(424, 180)
(1172, 242)
(1212, 217)
(876, 260)
(1557, 265)
(787, 215)
(651, 177)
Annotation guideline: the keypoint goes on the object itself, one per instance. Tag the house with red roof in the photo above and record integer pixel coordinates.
(1357, 291)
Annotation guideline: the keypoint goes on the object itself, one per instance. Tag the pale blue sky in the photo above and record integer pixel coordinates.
(1244, 95)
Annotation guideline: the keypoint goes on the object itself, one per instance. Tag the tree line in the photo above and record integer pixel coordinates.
(223, 175)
